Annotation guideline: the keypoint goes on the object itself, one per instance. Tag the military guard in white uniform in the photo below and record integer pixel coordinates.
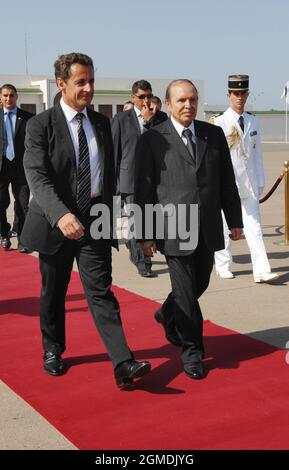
(243, 136)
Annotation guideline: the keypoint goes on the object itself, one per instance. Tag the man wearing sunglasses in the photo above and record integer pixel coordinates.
(127, 127)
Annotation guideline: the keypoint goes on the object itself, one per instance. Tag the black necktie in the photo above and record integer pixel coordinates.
(187, 133)
(241, 123)
(83, 196)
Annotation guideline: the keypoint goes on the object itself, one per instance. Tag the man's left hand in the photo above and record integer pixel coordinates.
(148, 248)
(236, 234)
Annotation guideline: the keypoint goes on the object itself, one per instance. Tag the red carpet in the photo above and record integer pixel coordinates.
(242, 404)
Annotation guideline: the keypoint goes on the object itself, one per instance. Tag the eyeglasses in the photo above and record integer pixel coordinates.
(143, 97)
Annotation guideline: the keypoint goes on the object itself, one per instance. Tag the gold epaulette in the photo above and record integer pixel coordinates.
(212, 119)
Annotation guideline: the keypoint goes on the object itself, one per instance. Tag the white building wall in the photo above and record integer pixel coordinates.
(31, 98)
(104, 87)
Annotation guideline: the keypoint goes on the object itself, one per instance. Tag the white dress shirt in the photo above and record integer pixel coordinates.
(139, 118)
(94, 157)
(179, 128)
(237, 117)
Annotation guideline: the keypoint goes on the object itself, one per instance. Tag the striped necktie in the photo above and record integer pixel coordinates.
(83, 196)
(187, 133)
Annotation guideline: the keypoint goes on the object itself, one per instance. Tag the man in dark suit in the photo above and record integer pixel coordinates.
(13, 122)
(127, 127)
(156, 106)
(127, 105)
(69, 167)
(182, 164)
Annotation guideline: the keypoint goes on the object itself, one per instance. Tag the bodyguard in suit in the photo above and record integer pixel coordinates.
(127, 105)
(186, 162)
(243, 136)
(13, 122)
(156, 105)
(69, 167)
(127, 127)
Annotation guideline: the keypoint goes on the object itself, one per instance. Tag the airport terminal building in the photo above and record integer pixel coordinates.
(37, 93)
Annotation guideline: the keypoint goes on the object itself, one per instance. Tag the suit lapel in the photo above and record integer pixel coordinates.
(18, 121)
(201, 144)
(96, 126)
(99, 134)
(1, 123)
(247, 126)
(177, 142)
(234, 121)
(2, 131)
(134, 120)
(63, 134)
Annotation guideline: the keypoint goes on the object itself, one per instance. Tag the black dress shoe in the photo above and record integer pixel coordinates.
(22, 249)
(145, 271)
(150, 271)
(125, 372)
(5, 243)
(170, 330)
(53, 363)
(195, 370)
(12, 233)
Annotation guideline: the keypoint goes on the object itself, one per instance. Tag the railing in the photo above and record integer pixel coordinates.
(284, 175)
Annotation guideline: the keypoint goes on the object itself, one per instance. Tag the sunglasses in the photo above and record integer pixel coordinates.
(143, 97)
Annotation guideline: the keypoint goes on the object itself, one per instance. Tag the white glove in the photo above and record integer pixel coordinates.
(260, 189)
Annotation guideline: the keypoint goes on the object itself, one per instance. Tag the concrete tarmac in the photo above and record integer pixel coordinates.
(257, 310)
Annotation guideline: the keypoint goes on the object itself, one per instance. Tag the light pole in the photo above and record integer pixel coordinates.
(285, 95)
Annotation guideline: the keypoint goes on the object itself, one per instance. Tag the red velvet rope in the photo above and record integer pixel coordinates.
(274, 187)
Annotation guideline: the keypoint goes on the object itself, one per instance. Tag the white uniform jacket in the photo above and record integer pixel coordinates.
(246, 151)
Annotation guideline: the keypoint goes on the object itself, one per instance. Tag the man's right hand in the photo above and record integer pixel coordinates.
(70, 226)
(147, 113)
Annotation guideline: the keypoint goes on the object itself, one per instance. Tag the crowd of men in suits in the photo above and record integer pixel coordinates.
(76, 158)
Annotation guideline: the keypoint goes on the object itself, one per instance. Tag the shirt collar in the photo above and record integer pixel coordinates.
(137, 111)
(236, 115)
(179, 127)
(69, 112)
(14, 110)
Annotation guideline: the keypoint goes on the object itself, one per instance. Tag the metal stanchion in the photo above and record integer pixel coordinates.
(286, 202)
(286, 190)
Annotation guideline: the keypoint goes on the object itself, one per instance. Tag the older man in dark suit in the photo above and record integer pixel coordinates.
(69, 167)
(184, 163)
(13, 122)
(127, 127)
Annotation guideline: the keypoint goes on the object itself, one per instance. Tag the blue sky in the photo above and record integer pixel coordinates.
(201, 39)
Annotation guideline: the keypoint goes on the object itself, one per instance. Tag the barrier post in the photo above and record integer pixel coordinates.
(286, 192)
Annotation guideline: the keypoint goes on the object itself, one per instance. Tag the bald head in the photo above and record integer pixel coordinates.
(177, 82)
